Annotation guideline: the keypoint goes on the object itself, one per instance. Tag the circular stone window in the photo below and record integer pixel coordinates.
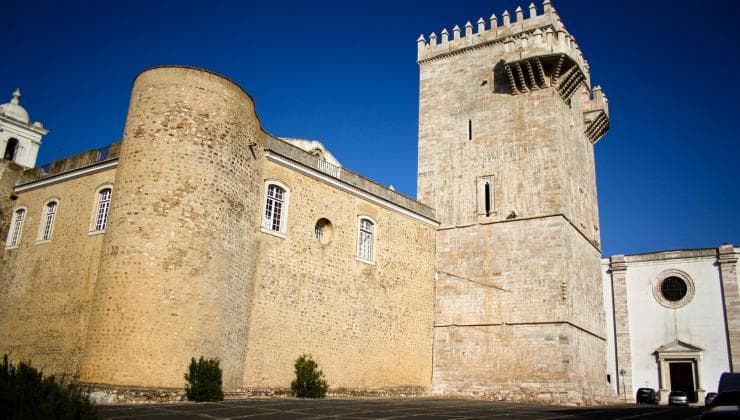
(673, 289)
(324, 231)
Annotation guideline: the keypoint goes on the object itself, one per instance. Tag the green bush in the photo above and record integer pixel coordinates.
(204, 380)
(26, 394)
(309, 380)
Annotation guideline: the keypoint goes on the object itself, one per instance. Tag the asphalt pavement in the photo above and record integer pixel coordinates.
(396, 408)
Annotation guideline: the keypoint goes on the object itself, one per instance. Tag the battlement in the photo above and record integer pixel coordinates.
(535, 35)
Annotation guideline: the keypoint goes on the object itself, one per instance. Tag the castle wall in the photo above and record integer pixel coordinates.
(178, 260)
(367, 326)
(46, 288)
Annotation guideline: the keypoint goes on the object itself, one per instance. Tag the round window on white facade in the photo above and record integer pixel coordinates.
(673, 289)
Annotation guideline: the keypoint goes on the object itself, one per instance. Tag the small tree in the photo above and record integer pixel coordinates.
(204, 380)
(26, 394)
(309, 380)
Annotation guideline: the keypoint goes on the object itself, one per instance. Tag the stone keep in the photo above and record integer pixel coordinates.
(507, 123)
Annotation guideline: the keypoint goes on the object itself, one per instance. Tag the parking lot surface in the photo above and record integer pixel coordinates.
(416, 408)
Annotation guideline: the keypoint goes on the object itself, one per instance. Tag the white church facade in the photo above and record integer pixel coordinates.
(670, 320)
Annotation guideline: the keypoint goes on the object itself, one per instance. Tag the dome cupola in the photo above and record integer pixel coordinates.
(13, 109)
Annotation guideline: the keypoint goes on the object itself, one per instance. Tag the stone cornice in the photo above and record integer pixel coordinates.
(66, 176)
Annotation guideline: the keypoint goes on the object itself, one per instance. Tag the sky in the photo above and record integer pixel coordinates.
(345, 73)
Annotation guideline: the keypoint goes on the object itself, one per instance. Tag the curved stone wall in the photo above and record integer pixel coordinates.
(178, 258)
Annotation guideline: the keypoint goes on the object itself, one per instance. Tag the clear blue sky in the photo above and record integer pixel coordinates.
(345, 73)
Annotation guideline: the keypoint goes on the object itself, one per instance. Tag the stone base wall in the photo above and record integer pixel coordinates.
(110, 394)
(540, 363)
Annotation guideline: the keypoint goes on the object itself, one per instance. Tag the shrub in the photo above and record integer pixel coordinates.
(309, 380)
(26, 394)
(204, 380)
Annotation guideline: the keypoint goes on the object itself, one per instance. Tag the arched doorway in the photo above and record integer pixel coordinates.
(11, 149)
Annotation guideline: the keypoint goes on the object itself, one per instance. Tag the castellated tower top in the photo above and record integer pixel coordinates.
(533, 53)
(533, 35)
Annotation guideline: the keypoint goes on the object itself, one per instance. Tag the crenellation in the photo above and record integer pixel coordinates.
(535, 35)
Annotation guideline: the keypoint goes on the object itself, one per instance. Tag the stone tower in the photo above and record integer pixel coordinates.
(178, 259)
(507, 123)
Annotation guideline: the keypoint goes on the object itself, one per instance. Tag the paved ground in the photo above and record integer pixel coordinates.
(417, 408)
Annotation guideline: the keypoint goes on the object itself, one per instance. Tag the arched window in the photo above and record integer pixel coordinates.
(47, 220)
(101, 209)
(16, 228)
(276, 208)
(10, 149)
(365, 239)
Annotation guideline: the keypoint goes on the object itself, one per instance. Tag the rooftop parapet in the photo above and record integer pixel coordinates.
(535, 35)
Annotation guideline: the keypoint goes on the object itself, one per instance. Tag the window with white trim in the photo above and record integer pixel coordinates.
(276, 208)
(16, 228)
(101, 212)
(365, 238)
(47, 220)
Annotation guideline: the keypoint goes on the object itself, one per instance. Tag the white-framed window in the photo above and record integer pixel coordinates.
(275, 215)
(101, 208)
(16, 228)
(48, 215)
(366, 230)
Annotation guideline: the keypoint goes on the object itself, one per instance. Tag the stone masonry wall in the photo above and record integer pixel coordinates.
(503, 327)
(178, 260)
(46, 288)
(369, 327)
(529, 272)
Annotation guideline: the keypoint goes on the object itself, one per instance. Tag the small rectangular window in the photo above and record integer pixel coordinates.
(485, 203)
(470, 129)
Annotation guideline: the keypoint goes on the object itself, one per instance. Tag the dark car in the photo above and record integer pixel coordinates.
(678, 398)
(646, 396)
(709, 398)
(726, 405)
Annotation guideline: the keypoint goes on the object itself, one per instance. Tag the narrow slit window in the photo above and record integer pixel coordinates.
(487, 193)
(470, 129)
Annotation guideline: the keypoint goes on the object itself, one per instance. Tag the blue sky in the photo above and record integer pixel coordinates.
(345, 73)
